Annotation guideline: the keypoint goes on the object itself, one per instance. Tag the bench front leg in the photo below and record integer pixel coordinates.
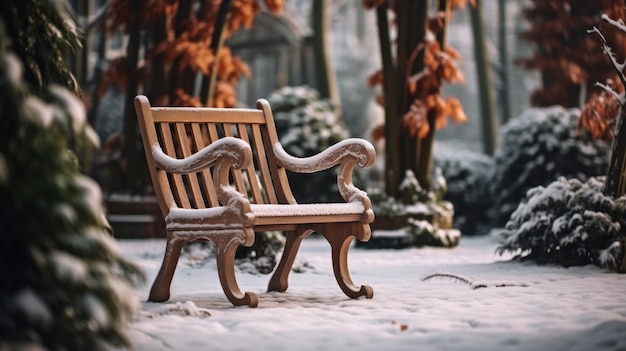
(226, 247)
(160, 290)
(340, 236)
(280, 279)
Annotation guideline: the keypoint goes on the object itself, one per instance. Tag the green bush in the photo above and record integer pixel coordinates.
(569, 223)
(537, 148)
(65, 285)
(468, 175)
(307, 125)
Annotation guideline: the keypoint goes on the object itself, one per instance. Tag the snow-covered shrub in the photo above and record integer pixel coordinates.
(307, 125)
(428, 215)
(538, 147)
(65, 285)
(468, 175)
(569, 223)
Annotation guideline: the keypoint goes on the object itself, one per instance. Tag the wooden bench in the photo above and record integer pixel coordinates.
(220, 174)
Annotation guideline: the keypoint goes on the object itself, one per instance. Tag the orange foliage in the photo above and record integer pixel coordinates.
(243, 12)
(116, 75)
(181, 98)
(424, 86)
(566, 55)
(603, 108)
(189, 52)
(378, 133)
(372, 4)
(225, 95)
(601, 112)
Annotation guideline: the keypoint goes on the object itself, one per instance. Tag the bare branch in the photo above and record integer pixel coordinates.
(619, 24)
(597, 31)
(610, 90)
(619, 67)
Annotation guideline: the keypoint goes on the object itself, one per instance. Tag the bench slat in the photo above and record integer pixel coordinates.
(210, 115)
(180, 194)
(205, 175)
(259, 153)
(237, 174)
(185, 147)
(253, 181)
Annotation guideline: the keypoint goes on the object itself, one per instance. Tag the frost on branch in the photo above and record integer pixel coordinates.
(569, 223)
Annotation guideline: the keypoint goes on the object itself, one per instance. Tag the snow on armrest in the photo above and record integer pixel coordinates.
(232, 150)
(358, 149)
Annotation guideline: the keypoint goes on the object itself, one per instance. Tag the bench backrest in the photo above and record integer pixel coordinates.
(182, 131)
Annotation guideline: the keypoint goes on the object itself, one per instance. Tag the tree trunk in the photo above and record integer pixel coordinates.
(616, 178)
(390, 84)
(130, 120)
(505, 102)
(177, 79)
(324, 72)
(84, 9)
(97, 76)
(158, 84)
(209, 82)
(412, 21)
(485, 83)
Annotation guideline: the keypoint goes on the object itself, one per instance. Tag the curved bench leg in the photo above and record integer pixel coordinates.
(279, 280)
(340, 236)
(226, 271)
(160, 290)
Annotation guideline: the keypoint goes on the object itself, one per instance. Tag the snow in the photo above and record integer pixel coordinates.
(327, 158)
(489, 303)
(268, 210)
(233, 149)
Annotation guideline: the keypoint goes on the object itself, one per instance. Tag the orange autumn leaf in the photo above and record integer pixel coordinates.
(600, 113)
(183, 99)
(454, 110)
(116, 75)
(371, 4)
(225, 95)
(415, 120)
(275, 6)
(462, 3)
(375, 79)
(243, 13)
(378, 133)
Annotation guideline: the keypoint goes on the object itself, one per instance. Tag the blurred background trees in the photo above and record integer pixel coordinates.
(176, 64)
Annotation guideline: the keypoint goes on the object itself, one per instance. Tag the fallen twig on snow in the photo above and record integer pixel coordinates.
(474, 285)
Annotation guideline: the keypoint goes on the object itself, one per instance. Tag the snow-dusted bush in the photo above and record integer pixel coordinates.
(428, 215)
(569, 223)
(307, 125)
(65, 285)
(538, 147)
(468, 175)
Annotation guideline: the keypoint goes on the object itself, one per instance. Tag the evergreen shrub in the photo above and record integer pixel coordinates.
(537, 148)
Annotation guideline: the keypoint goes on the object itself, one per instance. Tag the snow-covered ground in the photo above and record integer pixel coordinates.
(537, 308)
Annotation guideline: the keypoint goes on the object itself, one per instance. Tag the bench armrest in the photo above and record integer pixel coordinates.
(223, 154)
(235, 152)
(347, 154)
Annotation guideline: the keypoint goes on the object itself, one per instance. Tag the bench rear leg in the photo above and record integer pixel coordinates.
(340, 236)
(279, 281)
(226, 271)
(160, 290)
